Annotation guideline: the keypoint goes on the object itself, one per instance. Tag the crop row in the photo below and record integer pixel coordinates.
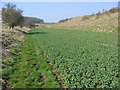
(85, 59)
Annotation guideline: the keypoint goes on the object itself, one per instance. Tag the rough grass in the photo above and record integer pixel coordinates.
(104, 23)
(29, 69)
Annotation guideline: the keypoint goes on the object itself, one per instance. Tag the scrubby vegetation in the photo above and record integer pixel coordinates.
(11, 50)
(29, 69)
(23, 65)
(106, 21)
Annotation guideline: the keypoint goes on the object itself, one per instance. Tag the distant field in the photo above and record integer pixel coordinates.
(84, 58)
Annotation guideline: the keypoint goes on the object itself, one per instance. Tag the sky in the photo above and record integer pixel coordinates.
(55, 11)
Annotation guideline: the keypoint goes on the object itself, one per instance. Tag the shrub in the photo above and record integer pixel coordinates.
(11, 15)
(98, 15)
(113, 10)
(85, 18)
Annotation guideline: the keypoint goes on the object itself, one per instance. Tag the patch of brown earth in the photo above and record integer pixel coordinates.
(105, 44)
(56, 73)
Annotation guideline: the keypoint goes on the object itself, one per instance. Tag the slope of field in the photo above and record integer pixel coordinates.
(84, 58)
(100, 23)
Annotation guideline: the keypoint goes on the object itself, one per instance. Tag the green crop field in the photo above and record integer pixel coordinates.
(79, 59)
(84, 58)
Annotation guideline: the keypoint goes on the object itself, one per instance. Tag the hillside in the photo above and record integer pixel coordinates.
(33, 20)
(104, 22)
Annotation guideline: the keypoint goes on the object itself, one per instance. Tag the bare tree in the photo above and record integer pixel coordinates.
(11, 15)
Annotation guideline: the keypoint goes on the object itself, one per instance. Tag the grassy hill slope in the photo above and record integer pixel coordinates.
(99, 22)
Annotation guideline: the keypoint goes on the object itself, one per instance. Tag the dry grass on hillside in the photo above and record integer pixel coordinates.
(103, 22)
(10, 40)
(10, 37)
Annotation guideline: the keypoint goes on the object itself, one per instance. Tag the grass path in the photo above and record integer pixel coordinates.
(32, 70)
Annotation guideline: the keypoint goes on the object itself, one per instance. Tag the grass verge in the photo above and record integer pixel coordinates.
(30, 69)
